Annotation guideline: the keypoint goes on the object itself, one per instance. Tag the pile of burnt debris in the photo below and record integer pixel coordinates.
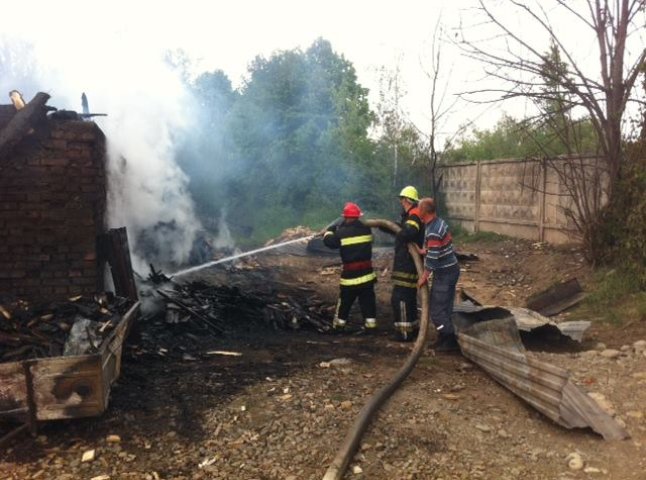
(180, 318)
(75, 326)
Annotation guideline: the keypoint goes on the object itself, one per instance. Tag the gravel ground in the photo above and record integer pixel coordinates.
(281, 409)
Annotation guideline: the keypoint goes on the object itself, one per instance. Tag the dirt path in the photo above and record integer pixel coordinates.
(280, 410)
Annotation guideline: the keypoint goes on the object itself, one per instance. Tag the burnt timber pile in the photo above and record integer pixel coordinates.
(179, 320)
(55, 328)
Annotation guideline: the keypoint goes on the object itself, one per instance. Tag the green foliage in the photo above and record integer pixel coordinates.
(614, 297)
(519, 139)
(620, 238)
(290, 147)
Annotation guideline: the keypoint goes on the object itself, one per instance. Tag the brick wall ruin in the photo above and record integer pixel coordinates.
(52, 205)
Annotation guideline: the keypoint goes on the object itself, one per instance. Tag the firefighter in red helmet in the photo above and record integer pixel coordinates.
(354, 239)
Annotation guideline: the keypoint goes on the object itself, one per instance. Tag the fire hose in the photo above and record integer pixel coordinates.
(349, 446)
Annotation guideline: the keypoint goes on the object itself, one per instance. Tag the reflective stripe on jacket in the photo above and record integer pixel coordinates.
(412, 230)
(354, 239)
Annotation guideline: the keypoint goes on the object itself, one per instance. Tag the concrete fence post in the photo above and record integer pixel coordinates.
(476, 213)
(541, 201)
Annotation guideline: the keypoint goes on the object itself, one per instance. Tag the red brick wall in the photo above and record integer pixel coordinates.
(52, 205)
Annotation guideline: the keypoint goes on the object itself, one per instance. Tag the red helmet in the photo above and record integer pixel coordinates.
(351, 210)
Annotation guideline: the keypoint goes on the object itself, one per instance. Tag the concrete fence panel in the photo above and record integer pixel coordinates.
(520, 198)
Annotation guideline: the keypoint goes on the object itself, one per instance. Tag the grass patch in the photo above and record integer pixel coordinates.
(461, 235)
(614, 297)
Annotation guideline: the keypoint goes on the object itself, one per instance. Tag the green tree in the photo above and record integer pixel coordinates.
(300, 128)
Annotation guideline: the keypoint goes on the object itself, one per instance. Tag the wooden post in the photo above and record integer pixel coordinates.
(476, 214)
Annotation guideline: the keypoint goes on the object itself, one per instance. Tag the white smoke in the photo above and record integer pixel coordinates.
(147, 107)
(224, 238)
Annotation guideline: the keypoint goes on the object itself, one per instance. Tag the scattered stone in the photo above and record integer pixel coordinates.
(357, 470)
(636, 414)
(592, 470)
(588, 354)
(340, 362)
(640, 346)
(610, 353)
(88, 455)
(465, 367)
(346, 405)
(503, 433)
(483, 428)
(639, 375)
(101, 477)
(113, 439)
(451, 396)
(574, 461)
(625, 348)
(600, 346)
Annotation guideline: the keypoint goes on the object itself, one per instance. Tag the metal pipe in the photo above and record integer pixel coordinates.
(351, 442)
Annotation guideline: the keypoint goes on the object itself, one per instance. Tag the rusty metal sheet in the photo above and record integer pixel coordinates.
(557, 298)
(495, 346)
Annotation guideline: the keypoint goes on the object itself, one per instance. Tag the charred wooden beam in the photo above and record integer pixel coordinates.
(112, 247)
(23, 122)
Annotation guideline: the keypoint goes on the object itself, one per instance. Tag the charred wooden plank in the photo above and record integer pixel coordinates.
(191, 311)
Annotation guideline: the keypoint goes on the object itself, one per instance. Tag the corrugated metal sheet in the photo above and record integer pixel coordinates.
(526, 320)
(495, 345)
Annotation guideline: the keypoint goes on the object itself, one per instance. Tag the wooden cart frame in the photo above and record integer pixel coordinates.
(62, 387)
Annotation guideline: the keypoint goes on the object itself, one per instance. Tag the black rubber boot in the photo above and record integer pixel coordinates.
(446, 344)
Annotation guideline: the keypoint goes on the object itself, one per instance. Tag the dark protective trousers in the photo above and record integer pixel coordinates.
(442, 298)
(367, 301)
(404, 303)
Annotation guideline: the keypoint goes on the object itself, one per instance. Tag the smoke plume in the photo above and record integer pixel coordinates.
(148, 109)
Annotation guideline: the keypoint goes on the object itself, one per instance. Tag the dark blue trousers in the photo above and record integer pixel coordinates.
(442, 298)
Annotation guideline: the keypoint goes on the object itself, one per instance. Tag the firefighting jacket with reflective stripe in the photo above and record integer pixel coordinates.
(354, 239)
(412, 230)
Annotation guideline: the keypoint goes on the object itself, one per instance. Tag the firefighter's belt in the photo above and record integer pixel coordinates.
(354, 266)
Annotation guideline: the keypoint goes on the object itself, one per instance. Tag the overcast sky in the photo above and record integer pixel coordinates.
(92, 45)
(86, 38)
